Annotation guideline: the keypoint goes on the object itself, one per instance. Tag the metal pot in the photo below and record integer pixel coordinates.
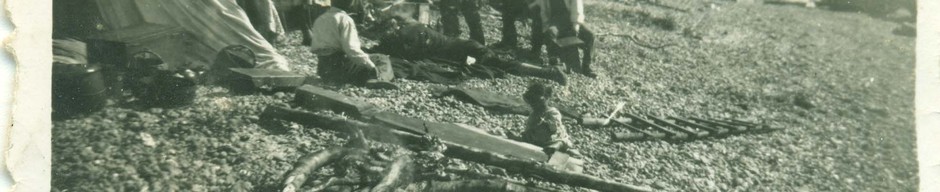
(172, 88)
(77, 89)
(159, 84)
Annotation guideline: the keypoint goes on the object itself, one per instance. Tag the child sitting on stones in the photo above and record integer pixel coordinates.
(544, 127)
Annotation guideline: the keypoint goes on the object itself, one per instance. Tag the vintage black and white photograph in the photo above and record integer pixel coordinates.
(483, 95)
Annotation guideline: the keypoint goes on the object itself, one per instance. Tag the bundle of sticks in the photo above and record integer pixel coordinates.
(652, 127)
(640, 127)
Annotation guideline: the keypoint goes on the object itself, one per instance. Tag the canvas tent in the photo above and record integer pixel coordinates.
(265, 18)
(215, 24)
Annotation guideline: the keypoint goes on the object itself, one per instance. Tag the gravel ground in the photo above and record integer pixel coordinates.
(841, 84)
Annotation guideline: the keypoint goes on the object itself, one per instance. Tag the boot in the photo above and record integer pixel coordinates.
(586, 62)
(525, 69)
(587, 71)
(571, 58)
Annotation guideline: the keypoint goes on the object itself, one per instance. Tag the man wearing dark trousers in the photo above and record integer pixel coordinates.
(471, 13)
(565, 31)
(516, 10)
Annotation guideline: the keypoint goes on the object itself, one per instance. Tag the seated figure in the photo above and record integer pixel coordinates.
(544, 127)
(337, 46)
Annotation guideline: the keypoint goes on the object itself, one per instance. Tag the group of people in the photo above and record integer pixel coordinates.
(558, 25)
(334, 39)
(560, 22)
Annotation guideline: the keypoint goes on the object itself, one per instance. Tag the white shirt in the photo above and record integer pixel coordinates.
(575, 8)
(335, 31)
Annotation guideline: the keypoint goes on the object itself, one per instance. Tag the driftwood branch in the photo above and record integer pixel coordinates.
(532, 168)
(492, 185)
(297, 176)
(388, 135)
(394, 176)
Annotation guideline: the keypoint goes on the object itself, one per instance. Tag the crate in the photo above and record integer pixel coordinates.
(383, 65)
(113, 49)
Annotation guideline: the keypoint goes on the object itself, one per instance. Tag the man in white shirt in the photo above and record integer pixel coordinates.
(335, 41)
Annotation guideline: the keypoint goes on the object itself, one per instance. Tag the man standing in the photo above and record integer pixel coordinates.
(514, 10)
(471, 13)
(335, 41)
(565, 31)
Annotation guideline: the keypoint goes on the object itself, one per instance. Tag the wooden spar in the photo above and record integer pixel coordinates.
(490, 185)
(462, 134)
(390, 135)
(691, 132)
(313, 97)
(672, 134)
(712, 130)
(733, 128)
(649, 134)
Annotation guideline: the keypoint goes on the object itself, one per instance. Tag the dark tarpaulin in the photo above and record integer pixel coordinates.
(441, 72)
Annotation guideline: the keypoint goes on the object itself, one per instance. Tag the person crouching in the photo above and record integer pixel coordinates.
(335, 41)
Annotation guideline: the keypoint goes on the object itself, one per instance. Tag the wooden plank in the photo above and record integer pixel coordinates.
(392, 136)
(268, 78)
(313, 97)
(463, 135)
(568, 41)
(564, 162)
